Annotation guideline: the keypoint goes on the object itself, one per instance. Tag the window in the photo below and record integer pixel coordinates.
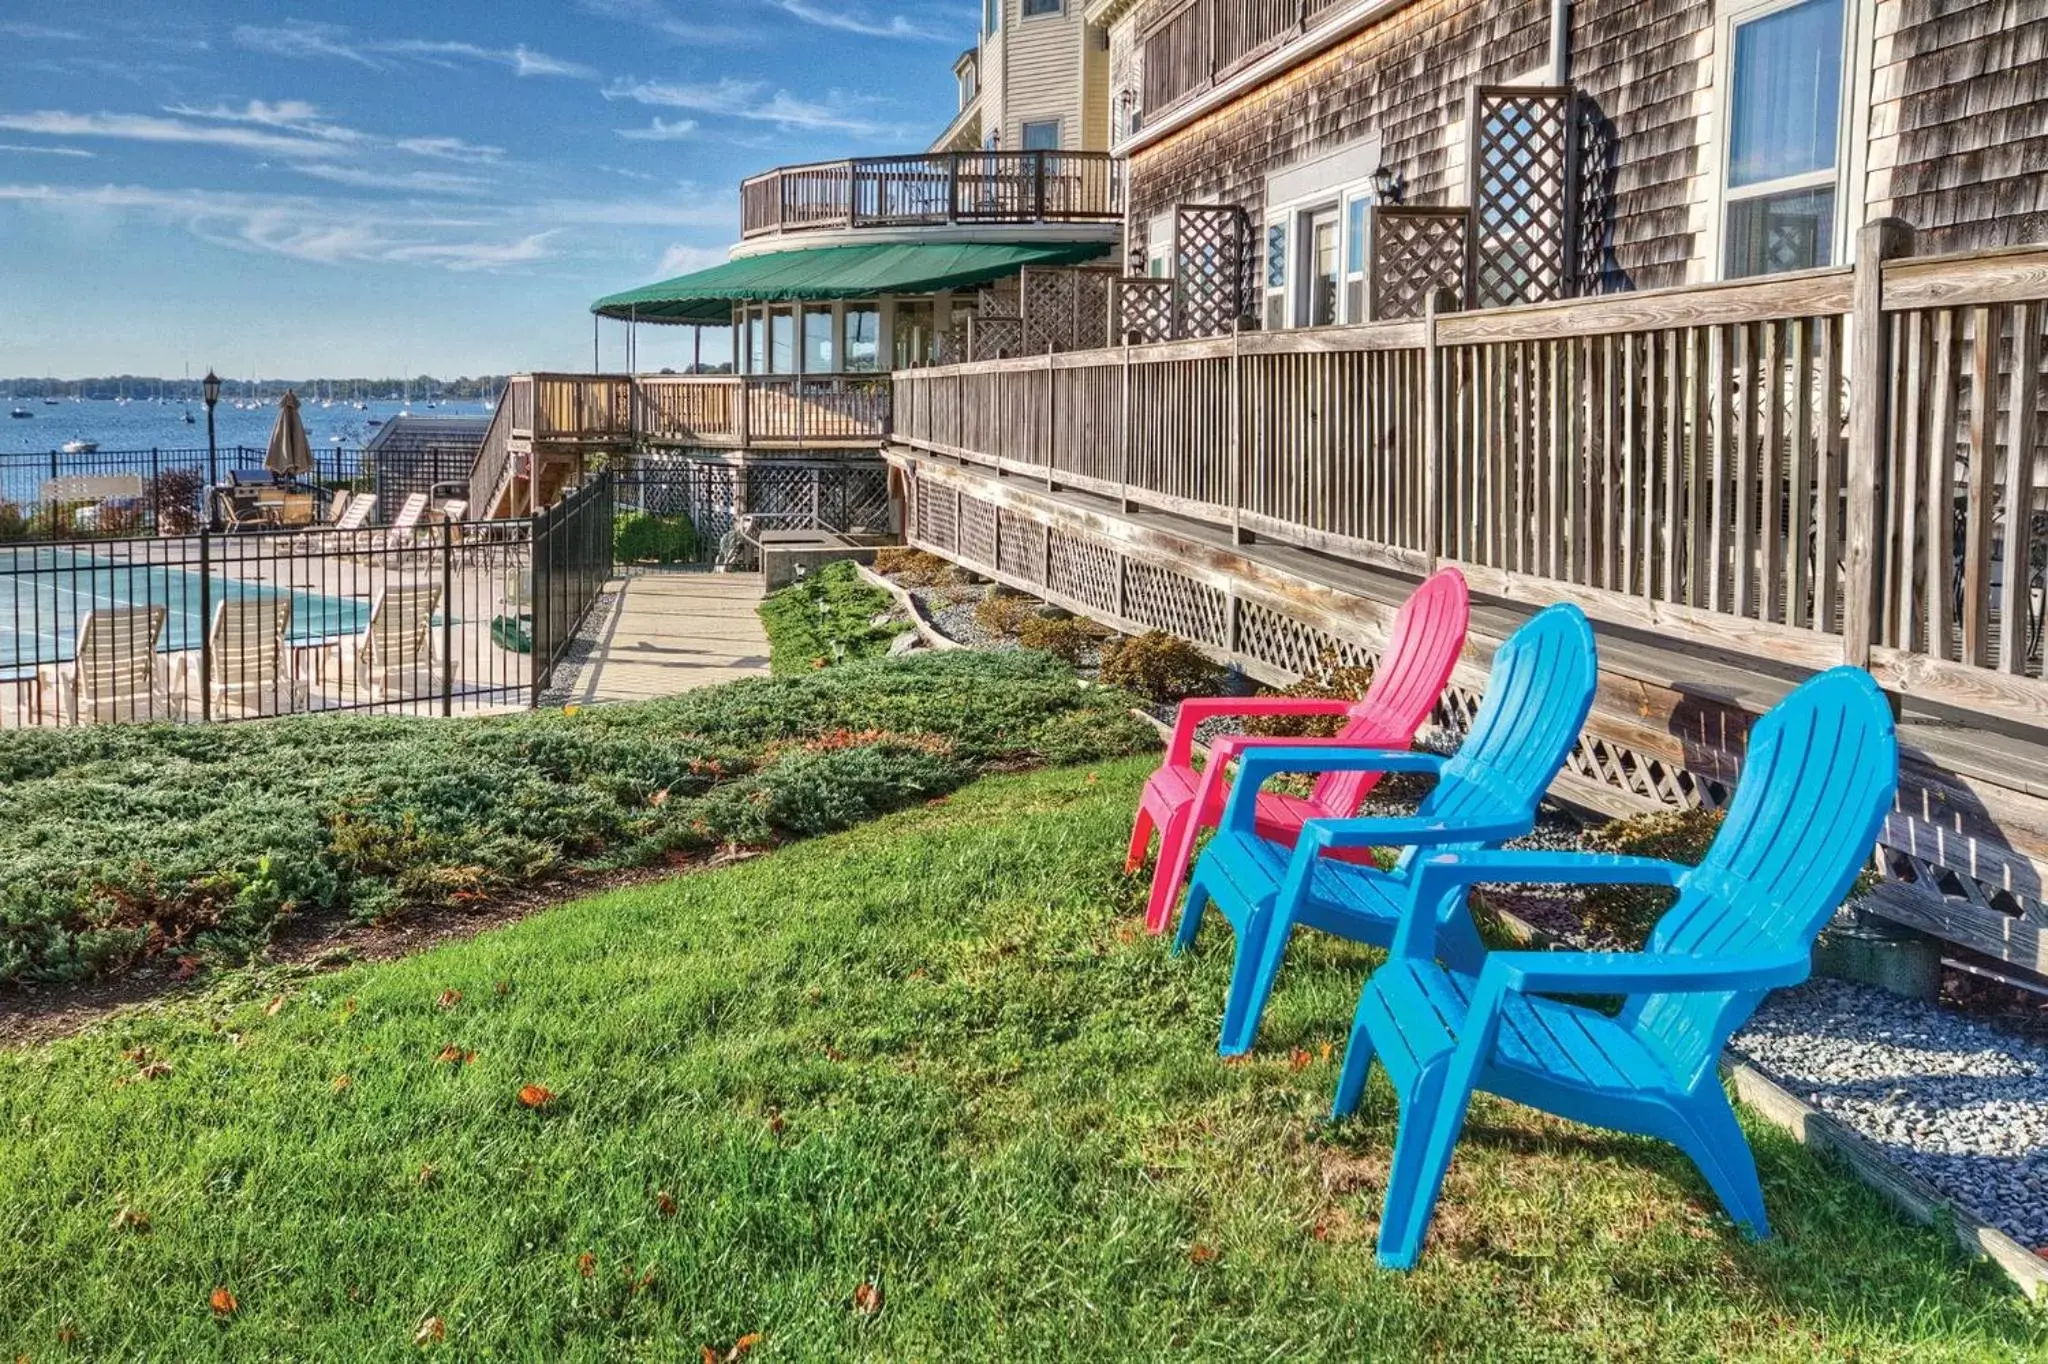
(915, 337)
(966, 87)
(757, 341)
(1276, 276)
(1042, 136)
(991, 15)
(863, 352)
(1321, 309)
(1034, 8)
(1357, 213)
(1784, 125)
(817, 340)
(781, 341)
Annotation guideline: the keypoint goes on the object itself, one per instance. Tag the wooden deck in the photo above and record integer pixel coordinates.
(1669, 724)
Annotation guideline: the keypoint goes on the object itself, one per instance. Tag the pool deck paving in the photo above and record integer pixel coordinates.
(674, 631)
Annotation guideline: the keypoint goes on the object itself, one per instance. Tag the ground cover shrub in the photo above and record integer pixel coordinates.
(1004, 613)
(1159, 667)
(120, 843)
(916, 567)
(1332, 681)
(1067, 638)
(177, 495)
(643, 537)
(827, 618)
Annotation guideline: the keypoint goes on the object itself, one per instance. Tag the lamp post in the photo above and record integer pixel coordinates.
(211, 387)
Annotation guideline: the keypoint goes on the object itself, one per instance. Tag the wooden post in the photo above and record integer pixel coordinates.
(1233, 434)
(742, 407)
(1123, 454)
(1439, 301)
(1869, 420)
(1051, 441)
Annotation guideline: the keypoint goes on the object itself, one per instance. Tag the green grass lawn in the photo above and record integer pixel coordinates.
(930, 1054)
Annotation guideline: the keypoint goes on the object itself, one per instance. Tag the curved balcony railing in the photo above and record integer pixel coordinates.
(934, 189)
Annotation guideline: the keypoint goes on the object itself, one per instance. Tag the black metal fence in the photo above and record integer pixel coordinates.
(111, 494)
(447, 618)
(571, 544)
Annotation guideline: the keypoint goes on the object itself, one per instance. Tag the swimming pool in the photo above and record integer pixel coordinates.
(45, 590)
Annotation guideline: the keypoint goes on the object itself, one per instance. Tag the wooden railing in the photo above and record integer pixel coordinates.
(934, 188)
(1834, 465)
(1208, 41)
(494, 455)
(699, 409)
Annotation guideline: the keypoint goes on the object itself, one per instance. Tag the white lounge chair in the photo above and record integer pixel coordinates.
(394, 654)
(406, 525)
(251, 665)
(116, 673)
(357, 516)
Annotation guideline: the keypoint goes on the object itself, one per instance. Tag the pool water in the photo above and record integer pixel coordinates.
(45, 591)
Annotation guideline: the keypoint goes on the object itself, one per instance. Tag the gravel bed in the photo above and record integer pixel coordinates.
(1956, 1100)
(568, 672)
(951, 612)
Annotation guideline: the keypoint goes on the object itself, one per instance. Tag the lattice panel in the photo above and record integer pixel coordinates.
(994, 338)
(1209, 245)
(1294, 646)
(936, 518)
(1524, 153)
(1064, 308)
(1415, 251)
(1651, 781)
(997, 303)
(1022, 547)
(1161, 599)
(1599, 165)
(1144, 308)
(978, 532)
(1082, 568)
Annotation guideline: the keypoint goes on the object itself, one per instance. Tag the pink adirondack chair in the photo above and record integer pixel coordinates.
(1180, 801)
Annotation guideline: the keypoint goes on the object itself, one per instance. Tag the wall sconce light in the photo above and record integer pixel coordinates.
(1386, 185)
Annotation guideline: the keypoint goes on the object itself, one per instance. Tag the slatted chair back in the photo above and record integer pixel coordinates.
(1423, 646)
(249, 642)
(116, 662)
(409, 512)
(1816, 785)
(358, 513)
(1538, 695)
(396, 637)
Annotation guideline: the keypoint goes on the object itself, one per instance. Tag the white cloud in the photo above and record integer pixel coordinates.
(308, 228)
(682, 259)
(52, 151)
(290, 115)
(15, 28)
(148, 128)
(755, 101)
(451, 149)
(412, 181)
(661, 130)
(656, 17)
(848, 20)
(302, 39)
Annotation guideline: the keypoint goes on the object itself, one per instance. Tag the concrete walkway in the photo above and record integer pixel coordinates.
(674, 631)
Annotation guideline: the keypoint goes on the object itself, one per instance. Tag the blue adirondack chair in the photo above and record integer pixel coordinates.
(1816, 785)
(1536, 701)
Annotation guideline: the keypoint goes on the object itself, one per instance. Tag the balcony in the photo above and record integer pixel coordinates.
(933, 189)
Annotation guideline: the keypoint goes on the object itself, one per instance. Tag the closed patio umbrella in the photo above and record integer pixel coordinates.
(289, 455)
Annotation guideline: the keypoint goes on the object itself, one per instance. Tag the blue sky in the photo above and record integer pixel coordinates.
(365, 186)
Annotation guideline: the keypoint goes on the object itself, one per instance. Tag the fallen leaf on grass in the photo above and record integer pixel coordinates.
(136, 1054)
(1326, 1051)
(155, 1070)
(449, 1056)
(535, 1096)
(431, 1330)
(665, 1203)
(187, 968)
(1299, 1059)
(739, 1348)
(130, 1219)
(658, 799)
(586, 1264)
(776, 1124)
(428, 1174)
(1201, 1253)
(867, 1299)
(223, 1303)
(503, 987)
(276, 1003)
(342, 1082)
(448, 999)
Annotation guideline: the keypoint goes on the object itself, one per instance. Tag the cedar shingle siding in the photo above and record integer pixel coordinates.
(1961, 122)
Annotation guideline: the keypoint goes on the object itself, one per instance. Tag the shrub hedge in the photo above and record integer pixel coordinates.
(825, 619)
(124, 842)
(640, 537)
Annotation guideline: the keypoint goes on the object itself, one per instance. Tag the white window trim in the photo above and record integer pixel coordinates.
(1059, 132)
(1296, 213)
(1059, 11)
(1851, 132)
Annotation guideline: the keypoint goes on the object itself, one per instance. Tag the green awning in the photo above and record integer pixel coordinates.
(823, 273)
